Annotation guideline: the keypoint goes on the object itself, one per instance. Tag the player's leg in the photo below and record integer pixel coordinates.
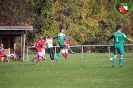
(61, 47)
(115, 56)
(38, 60)
(70, 50)
(114, 61)
(63, 53)
(58, 55)
(66, 53)
(39, 55)
(33, 59)
(121, 56)
(121, 61)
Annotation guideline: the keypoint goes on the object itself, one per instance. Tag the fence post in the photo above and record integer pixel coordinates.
(27, 53)
(109, 51)
(82, 52)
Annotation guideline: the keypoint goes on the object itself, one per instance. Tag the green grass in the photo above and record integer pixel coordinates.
(67, 73)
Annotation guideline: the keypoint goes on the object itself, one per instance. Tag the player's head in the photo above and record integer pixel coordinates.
(43, 38)
(118, 27)
(62, 30)
(1, 45)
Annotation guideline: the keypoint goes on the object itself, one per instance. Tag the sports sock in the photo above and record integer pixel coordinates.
(114, 61)
(63, 54)
(38, 60)
(33, 59)
(59, 54)
(121, 61)
(66, 55)
(57, 57)
(70, 50)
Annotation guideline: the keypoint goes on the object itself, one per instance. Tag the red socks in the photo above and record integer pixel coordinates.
(38, 60)
(65, 55)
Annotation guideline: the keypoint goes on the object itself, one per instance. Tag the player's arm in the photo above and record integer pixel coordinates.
(129, 39)
(108, 39)
(34, 45)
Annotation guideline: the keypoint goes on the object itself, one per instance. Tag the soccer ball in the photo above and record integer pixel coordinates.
(110, 59)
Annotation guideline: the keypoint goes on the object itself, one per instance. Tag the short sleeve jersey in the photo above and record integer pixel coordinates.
(118, 38)
(61, 37)
(39, 45)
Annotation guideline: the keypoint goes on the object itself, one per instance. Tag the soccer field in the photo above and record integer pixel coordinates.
(67, 73)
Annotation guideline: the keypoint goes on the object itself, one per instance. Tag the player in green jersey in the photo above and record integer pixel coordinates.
(118, 37)
(61, 36)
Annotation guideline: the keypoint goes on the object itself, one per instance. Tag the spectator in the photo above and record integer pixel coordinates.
(49, 42)
(2, 54)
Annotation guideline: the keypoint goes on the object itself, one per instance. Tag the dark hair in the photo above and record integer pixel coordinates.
(44, 38)
(61, 29)
(118, 27)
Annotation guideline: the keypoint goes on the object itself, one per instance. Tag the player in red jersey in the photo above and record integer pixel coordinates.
(38, 45)
(65, 48)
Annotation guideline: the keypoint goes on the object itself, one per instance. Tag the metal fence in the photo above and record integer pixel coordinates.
(86, 51)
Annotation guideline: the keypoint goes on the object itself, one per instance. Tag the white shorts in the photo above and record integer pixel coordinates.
(39, 54)
(64, 50)
(43, 51)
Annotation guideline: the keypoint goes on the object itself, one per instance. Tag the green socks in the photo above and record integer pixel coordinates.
(121, 61)
(57, 57)
(114, 61)
(71, 50)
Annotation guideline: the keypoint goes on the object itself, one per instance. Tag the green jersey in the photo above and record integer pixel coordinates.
(118, 38)
(61, 37)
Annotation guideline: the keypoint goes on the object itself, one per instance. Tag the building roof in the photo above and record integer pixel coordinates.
(17, 28)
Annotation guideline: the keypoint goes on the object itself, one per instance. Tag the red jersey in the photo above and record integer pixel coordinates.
(41, 41)
(66, 41)
(39, 45)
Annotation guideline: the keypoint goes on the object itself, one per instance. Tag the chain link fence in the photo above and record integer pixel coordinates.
(85, 51)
